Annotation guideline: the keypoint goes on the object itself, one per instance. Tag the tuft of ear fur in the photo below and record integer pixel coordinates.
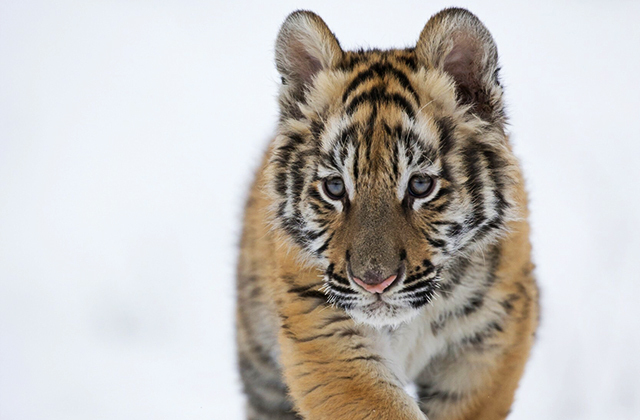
(456, 42)
(305, 46)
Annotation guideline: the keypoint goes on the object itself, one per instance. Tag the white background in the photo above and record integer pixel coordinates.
(129, 132)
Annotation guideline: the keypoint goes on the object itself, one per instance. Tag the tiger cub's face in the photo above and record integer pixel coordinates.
(389, 165)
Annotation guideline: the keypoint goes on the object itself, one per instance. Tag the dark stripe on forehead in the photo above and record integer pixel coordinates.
(355, 58)
(330, 160)
(368, 134)
(381, 70)
(411, 139)
(352, 59)
(378, 95)
(408, 58)
(344, 138)
(394, 161)
(316, 128)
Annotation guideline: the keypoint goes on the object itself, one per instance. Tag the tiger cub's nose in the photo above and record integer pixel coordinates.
(374, 283)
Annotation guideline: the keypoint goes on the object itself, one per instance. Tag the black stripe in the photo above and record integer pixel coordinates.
(356, 168)
(442, 207)
(329, 270)
(282, 153)
(408, 60)
(423, 299)
(454, 230)
(318, 204)
(340, 279)
(329, 159)
(345, 304)
(313, 294)
(302, 289)
(362, 77)
(314, 337)
(507, 303)
(368, 134)
(340, 289)
(428, 154)
(442, 193)
(313, 389)
(474, 184)
(477, 339)
(395, 159)
(377, 95)
(418, 276)
(317, 128)
(436, 243)
(484, 230)
(333, 319)
(381, 70)
(352, 59)
(281, 182)
(297, 173)
(496, 165)
(475, 303)
(445, 125)
(313, 235)
(438, 324)
(324, 246)
(428, 266)
(291, 225)
(418, 285)
(456, 273)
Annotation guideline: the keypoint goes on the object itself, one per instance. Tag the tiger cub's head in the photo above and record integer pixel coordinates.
(389, 165)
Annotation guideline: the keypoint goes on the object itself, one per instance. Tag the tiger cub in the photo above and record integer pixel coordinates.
(385, 237)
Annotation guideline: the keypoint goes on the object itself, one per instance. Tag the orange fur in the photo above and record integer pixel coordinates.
(466, 303)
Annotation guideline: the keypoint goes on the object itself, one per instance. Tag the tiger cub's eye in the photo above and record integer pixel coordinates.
(421, 186)
(334, 188)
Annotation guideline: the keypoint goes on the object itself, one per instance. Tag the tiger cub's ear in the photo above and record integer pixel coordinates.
(305, 46)
(455, 41)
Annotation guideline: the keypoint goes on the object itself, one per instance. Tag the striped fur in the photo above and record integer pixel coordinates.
(459, 319)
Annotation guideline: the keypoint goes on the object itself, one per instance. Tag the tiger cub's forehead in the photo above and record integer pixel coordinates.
(377, 96)
(378, 130)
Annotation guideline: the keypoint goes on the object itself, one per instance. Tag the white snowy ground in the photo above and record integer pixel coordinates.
(129, 131)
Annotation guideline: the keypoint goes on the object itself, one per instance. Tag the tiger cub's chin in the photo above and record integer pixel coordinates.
(380, 315)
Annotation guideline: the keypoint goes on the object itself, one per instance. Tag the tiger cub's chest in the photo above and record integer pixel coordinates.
(440, 328)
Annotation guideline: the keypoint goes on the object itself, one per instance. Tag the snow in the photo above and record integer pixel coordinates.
(129, 132)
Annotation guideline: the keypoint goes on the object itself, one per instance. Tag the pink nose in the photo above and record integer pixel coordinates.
(376, 288)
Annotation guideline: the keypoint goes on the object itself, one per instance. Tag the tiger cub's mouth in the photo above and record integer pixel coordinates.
(396, 302)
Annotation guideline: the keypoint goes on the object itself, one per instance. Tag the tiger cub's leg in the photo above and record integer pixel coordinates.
(261, 375)
(266, 393)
